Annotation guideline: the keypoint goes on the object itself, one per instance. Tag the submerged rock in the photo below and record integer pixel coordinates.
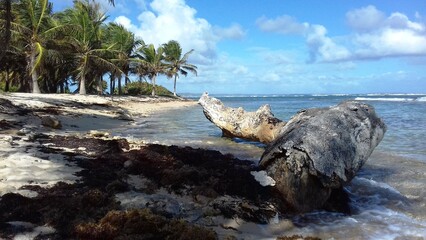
(260, 125)
(52, 122)
(320, 150)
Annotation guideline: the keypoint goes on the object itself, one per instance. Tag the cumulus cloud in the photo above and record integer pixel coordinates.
(392, 36)
(283, 24)
(365, 19)
(320, 46)
(235, 31)
(375, 35)
(175, 20)
(323, 48)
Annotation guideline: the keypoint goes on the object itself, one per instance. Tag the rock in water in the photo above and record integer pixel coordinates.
(50, 121)
(260, 126)
(320, 150)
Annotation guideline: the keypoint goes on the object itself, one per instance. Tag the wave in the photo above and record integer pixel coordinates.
(385, 99)
(421, 99)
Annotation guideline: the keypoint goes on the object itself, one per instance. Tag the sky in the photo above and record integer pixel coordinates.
(286, 46)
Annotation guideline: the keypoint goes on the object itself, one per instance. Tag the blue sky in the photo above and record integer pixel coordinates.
(286, 47)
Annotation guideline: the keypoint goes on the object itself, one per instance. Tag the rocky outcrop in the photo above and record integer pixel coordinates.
(320, 150)
(260, 125)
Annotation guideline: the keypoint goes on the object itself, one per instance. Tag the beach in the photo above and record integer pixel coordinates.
(117, 165)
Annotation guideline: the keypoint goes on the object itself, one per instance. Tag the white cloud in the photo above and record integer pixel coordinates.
(271, 77)
(390, 43)
(238, 70)
(175, 20)
(235, 31)
(283, 24)
(323, 48)
(127, 23)
(365, 19)
(395, 36)
(374, 36)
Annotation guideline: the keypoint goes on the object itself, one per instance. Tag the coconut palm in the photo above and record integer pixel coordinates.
(151, 63)
(91, 58)
(124, 42)
(5, 30)
(177, 64)
(35, 26)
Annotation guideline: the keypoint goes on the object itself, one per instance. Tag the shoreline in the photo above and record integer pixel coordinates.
(22, 114)
(56, 183)
(101, 176)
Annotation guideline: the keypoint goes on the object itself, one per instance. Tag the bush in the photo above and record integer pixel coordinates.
(143, 88)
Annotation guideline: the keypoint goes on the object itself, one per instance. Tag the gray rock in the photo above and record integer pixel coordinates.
(260, 125)
(50, 121)
(124, 115)
(321, 149)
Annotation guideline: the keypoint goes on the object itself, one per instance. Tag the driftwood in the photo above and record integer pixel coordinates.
(260, 126)
(318, 151)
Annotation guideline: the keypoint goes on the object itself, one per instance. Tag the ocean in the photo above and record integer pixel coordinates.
(388, 196)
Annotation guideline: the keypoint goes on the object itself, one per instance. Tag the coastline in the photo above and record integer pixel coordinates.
(75, 179)
(78, 181)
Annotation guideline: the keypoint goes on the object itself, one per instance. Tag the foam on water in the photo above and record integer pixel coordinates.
(421, 99)
(379, 212)
(384, 99)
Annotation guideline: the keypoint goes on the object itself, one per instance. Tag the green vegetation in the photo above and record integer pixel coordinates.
(47, 52)
(143, 88)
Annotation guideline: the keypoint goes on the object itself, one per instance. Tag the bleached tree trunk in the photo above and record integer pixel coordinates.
(34, 74)
(83, 85)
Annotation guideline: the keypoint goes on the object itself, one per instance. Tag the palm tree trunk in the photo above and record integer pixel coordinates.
(83, 85)
(119, 85)
(111, 84)
(7, 34)
(174, 86)
(61, 88)
(7, 85)
(33, 71)
(126, 81)
(100, 86)
(153, 85)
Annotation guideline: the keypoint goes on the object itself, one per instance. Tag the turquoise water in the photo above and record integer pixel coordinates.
(388, 196)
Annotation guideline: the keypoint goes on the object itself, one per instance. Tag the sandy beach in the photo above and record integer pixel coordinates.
(79, 116)
(63, 175)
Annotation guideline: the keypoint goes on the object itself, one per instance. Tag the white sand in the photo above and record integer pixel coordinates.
(20, 161)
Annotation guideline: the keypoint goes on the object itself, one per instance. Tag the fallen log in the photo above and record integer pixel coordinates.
(259, 126)
(316, 153)
(320, 150)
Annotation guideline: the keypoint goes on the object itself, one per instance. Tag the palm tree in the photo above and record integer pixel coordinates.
(6, 20)
(35, 26)
(91, 58)
(151, 62)
(177, 63)
(124, 42)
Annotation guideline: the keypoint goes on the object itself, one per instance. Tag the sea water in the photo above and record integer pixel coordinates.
(388, 196)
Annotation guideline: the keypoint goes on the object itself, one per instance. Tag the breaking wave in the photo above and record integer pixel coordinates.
(393, 99)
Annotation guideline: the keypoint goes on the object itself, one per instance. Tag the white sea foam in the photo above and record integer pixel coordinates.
(263, 178)
(421, 99)
(384, 99)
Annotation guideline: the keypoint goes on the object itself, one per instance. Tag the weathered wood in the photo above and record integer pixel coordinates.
(316, 153)
(320, 150)
(260, 126)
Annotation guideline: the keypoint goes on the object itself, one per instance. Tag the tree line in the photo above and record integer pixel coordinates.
(46, 52)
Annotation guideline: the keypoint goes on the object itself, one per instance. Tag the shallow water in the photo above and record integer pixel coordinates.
(388, 196)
